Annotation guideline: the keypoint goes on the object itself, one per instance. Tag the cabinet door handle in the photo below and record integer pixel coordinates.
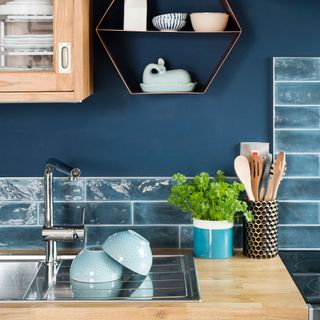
(64, 57)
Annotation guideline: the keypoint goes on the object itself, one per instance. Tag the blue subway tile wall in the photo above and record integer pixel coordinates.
(303, 165)
(297, 132)
(115, 204)
(296, 69)
(159, 213)
(27, 189)
(111, 205)
(128, 189)
(297, 118)
(18, 213)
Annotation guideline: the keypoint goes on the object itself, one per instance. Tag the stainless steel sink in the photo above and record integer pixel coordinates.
(15, 278)
(171, 278)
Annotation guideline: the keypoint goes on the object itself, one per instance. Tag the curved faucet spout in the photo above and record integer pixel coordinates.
(55, 164)
(48, 233)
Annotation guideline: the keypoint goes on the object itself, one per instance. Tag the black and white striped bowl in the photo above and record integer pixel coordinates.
(168, 24)
(180, 16)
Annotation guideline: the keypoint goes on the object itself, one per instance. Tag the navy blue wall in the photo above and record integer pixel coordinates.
(115, 134)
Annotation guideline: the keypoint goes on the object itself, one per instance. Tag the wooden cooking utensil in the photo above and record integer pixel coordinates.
(242, 168)
(265, 177)
(278, 170)
(256, 168)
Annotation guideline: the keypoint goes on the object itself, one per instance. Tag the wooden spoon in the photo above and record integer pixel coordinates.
(242, 168)
(256, 168)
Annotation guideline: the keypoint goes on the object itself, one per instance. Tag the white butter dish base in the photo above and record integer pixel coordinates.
(168, 87)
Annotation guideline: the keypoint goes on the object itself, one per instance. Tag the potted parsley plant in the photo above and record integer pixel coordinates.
(214, 205)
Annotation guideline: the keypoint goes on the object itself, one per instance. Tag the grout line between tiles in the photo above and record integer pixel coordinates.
(85, 189)
(132, 213)
(273, 106)
(297, 129)
(299, 201)
(299, 249)
(38, 213)
(300, 177)
(297, 106)
(303, 153)
(297, 81)
(188, 225)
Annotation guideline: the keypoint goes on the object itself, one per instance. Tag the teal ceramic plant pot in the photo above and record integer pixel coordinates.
(212, 239)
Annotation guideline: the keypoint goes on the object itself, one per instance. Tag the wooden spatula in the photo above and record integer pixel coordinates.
(278, 170)
(256, 169)
(242, 168)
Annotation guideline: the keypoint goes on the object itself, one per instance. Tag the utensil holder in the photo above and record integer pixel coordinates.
(260, 237)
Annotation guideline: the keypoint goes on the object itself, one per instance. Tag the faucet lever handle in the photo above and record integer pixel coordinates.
(83, 216)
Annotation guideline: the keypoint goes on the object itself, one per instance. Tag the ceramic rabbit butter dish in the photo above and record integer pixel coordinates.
(156, 78)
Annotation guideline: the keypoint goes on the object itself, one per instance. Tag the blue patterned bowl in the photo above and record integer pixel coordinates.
(131, 250)
(166, 24)
(93, 265)
(177, 15)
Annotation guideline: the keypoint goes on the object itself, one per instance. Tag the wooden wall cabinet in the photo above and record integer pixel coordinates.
(45, 52)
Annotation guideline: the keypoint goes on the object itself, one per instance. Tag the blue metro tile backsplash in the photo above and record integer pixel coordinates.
(111, 205)
(295, 69)
(21, 189)
(299, 213)
(297, 93)
(297, 132)
(297, 118)
(140, 204)
(303, 165)
(300, 141)
(159, 213)
(128, 189)
(19, 213)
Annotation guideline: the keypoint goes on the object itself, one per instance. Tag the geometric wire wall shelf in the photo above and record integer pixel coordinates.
(201, 53)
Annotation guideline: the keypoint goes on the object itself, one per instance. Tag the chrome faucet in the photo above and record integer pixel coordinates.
(52, 234)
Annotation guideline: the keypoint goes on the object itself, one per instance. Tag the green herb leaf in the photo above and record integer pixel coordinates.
(208, 199)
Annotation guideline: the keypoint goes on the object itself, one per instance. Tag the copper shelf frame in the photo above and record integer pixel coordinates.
(236, 35)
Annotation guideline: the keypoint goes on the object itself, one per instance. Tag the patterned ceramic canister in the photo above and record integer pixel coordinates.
(260, 237)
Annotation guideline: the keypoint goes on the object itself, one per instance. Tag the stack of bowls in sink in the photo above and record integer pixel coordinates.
(170, 21)
(97, 270)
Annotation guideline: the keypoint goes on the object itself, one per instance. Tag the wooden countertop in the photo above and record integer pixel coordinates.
(236, 288)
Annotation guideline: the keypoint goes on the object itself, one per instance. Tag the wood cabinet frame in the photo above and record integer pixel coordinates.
(72, 21)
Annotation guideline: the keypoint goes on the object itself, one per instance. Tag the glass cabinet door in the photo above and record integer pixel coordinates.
(26, 35)
(36, 39)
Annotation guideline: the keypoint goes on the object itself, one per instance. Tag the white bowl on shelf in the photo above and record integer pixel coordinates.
(166, 24)
(209, 21)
